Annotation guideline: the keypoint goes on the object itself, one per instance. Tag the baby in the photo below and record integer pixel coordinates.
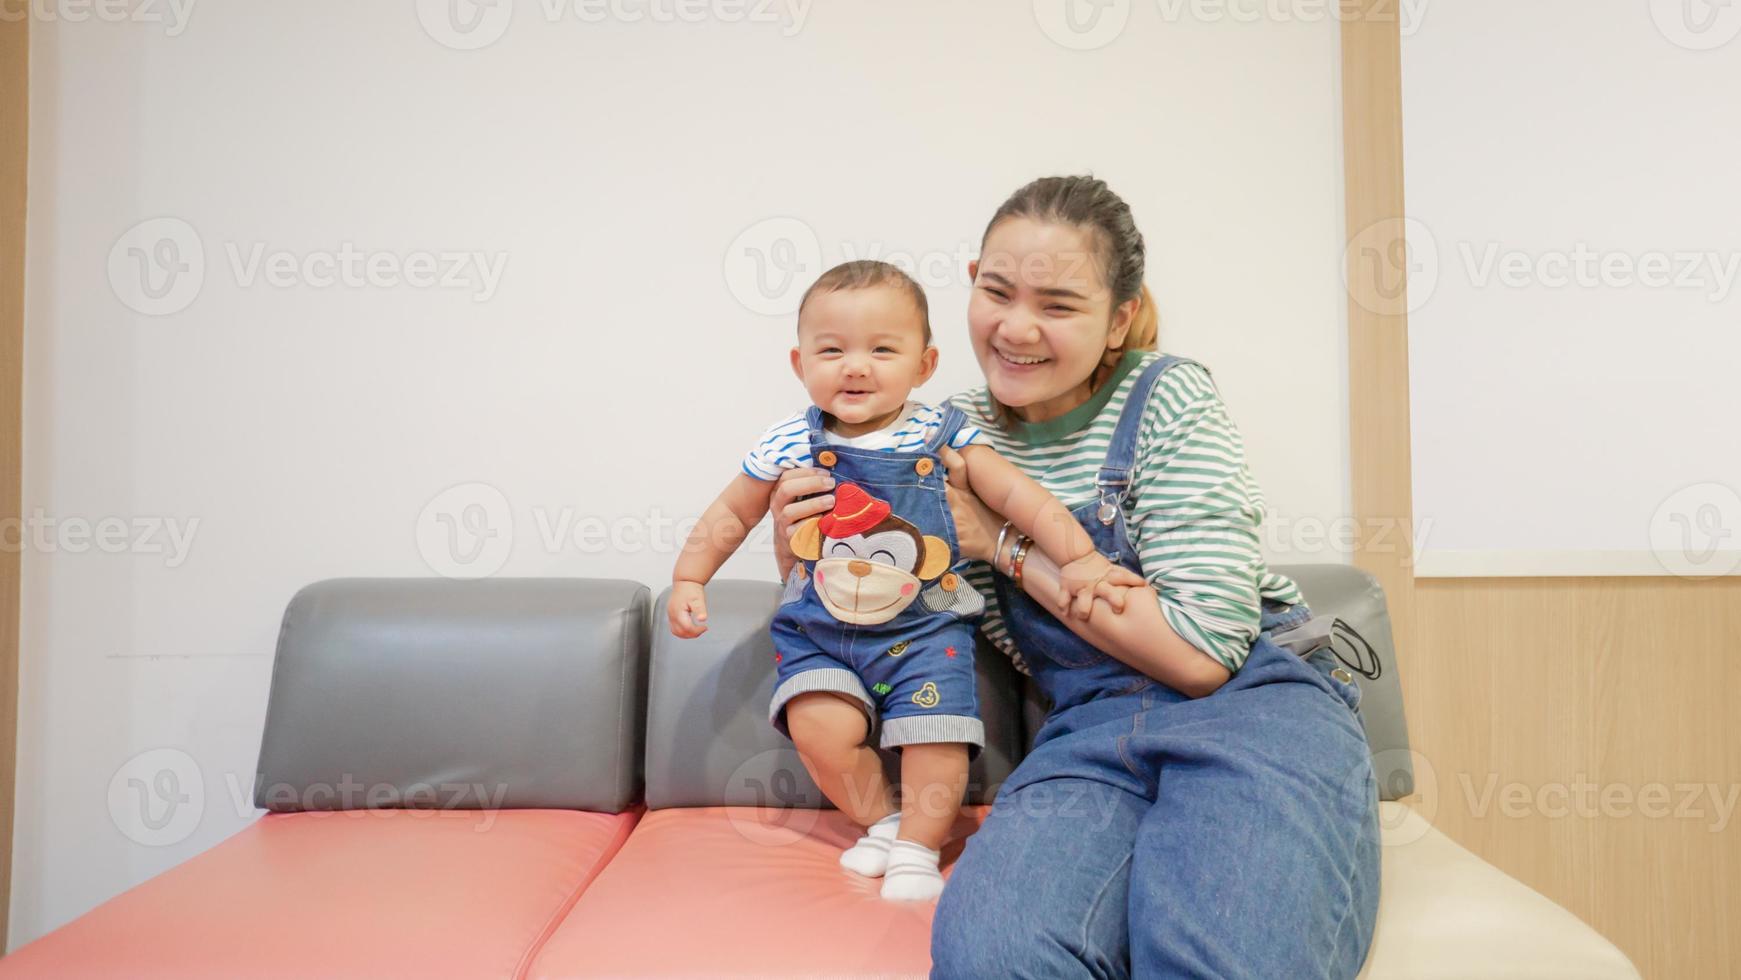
(876, 622)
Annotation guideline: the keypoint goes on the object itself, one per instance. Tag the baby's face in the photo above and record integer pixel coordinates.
(861, 352)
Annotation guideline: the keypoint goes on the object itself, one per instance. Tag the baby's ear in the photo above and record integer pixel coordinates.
(807, 540)
(937, 559)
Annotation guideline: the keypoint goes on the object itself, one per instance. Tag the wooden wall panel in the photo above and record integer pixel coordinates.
(1529, 699)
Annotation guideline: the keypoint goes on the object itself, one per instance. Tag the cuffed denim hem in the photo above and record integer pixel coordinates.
(927, 729)
(836, 679)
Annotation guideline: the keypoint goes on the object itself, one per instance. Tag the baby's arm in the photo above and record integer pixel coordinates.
(724, 525)
(1039, 515)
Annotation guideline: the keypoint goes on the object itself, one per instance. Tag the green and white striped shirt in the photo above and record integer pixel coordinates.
(1193, 510)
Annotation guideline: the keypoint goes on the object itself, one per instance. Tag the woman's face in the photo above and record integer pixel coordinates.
(1041, 317)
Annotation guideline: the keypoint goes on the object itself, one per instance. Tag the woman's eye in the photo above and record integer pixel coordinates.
(1000, 294)
(1060, 309)
(842, 550)
(883, 556)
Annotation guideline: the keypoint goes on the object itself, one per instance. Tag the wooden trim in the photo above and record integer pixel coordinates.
(14, 126)
(1378, 357)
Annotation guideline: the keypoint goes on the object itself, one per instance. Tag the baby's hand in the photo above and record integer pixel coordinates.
(1093, 576)
(687, 610)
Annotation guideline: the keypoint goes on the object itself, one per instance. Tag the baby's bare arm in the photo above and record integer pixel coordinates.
(1027, 505)
(724, 525)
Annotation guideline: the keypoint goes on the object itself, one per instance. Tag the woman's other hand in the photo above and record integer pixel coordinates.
(976, 525)
(789, 510)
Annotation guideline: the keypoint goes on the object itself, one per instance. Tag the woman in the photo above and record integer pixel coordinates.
(1199, 801)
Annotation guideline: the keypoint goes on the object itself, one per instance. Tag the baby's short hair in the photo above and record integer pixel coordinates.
(865, 274)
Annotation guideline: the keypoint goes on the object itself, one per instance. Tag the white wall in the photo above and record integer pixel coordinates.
(1576, 287)
(619, 368)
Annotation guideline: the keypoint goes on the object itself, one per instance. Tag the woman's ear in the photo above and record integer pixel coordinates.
(1122, 317)
(972, 270)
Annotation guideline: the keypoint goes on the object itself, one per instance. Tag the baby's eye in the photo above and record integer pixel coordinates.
(886, 350)
(830, 350)
(883, 556)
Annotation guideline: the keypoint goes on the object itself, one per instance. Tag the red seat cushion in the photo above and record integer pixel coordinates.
(354, 894)
(743, 891)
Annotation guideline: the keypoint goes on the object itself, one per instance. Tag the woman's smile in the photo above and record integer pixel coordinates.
(1019, 362)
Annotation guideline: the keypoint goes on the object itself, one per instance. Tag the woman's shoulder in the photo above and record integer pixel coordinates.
(975, 403)
(1183, 387)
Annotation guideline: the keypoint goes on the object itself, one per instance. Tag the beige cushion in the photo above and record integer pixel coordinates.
(1444, 912)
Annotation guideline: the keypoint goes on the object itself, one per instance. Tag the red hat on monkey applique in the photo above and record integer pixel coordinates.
(855, 512)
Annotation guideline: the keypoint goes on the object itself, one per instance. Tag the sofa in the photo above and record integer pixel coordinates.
(532, 778)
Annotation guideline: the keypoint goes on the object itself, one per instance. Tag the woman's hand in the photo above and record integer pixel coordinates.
(976, 525)
(789, 511)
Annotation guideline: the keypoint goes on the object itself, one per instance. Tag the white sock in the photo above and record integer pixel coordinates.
(912, 874)
(870, 856)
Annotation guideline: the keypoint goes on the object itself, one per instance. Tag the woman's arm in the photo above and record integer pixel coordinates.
(1135, 632)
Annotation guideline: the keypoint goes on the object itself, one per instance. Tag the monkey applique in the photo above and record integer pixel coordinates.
(870, 564)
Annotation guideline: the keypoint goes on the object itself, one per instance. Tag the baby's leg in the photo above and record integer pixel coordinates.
(933, 781)
(829, 732)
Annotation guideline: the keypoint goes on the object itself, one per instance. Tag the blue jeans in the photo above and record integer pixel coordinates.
(1151, 835)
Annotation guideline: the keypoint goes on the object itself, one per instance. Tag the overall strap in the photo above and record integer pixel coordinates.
(953, 419)
(1121, 452)
(818, 437)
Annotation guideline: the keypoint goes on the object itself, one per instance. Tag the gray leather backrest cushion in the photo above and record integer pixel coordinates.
(1354, 597)
(463, 694)
(709, 742)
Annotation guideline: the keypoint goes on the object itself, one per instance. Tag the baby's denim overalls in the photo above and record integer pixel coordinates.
(889, 544)
(1155, 835)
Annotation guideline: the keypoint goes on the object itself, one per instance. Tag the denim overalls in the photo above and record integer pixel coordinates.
(876, 608)
(1149, 834)
(1068, 669)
